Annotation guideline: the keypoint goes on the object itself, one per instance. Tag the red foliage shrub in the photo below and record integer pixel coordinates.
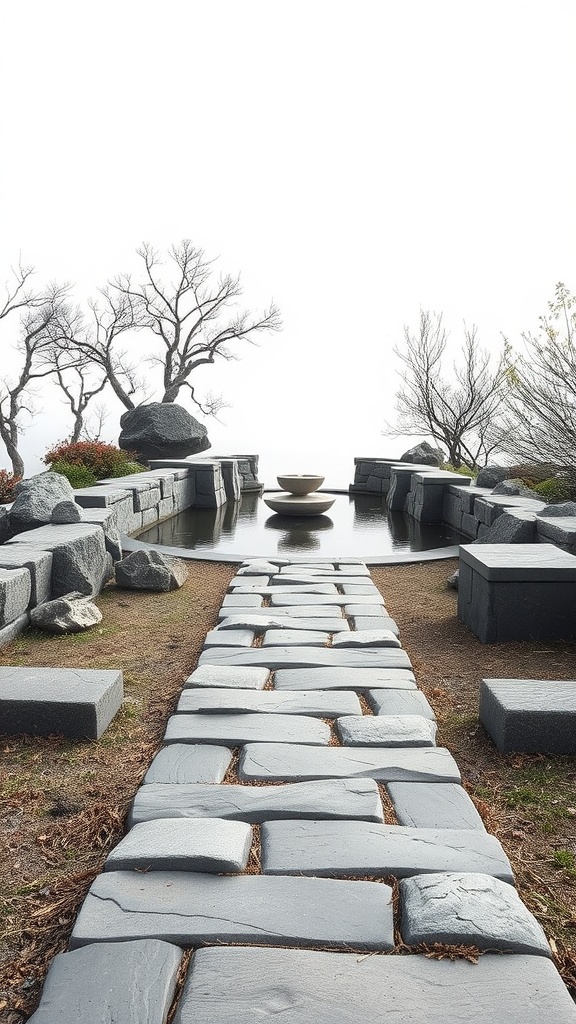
(105, 460)
(7, 484)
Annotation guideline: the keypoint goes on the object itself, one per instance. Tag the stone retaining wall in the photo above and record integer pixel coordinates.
(53, 560)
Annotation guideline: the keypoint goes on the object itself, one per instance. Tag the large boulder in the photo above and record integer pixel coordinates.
(515, 487)
(492, 475)
(162, 430)
(149, 570)
(72, 613)
(424, 455)
(36, 498)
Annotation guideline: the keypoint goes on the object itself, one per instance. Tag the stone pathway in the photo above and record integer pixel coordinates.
(294, 872)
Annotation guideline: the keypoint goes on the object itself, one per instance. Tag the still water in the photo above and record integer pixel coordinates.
(357, 525)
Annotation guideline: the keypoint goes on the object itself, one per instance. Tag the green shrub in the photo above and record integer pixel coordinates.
(79, 476)
(462, 470)
(103, 460)
(7, 484)
(553, 490)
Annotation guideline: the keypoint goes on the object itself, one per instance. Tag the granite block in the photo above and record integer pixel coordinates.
(259, 623)
(433, 805)
(79, 703)
(399, 702)
(15, 591)
(181, 763)
(468, 910)
(353, 799)
(357, 679)
(39, 565)
(235, 730)
(229, 638)
(183, 844)
(530, 716)
(365, 638)
(305, 657)
(228, 676)
(319, 704)
(387, 731)
(193, 909)
(338, 849)
(296, 638)
(285, 762)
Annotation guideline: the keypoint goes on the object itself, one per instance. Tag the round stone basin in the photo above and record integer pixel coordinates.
(299, 504)
(300, 483)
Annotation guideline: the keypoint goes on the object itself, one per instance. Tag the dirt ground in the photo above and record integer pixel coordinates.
(63, 803)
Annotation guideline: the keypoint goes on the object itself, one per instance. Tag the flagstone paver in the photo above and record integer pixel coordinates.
(237, 729)
(366, 638)
(229, 638)
(352, 799)
(259, 623)
(319, 704)
(291, 762)
(193, 909)
(296, 638)
(229, 676)
(183, 844)
(470, 910)
(112, 981)
(303, 611)
(399, 702)
(387, 731)
(433, 805)
(306, 657)
(179, 763)
(344, 848)
(361, 680)
(241, 986)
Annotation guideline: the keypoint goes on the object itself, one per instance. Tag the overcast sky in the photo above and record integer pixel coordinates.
(354, 161)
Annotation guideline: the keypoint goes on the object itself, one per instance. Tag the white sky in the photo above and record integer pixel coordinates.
(354, 161)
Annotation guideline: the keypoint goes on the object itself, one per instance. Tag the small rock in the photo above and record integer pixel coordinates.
(67, 512)
(452, 581)
(424, 455)
(149, 570)
(35, 499)
(72, 613)
(490, 476)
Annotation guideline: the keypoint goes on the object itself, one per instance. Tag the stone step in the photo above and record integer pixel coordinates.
(360, 680)
(315, 703)
(303, 611)
(338, 849)
(399, 702)
(260, 623)
(182, 844)
(228, 677)
(286, 762)
(305, 657)
(244, 985)
(354, 799)
(433, 805)
(387, 731)
(235, 730)
(192, 909)
(187, 762)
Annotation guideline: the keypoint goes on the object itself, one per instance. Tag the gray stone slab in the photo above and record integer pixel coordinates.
(387, 731)
(433, 805)
(352, 799)
(561, 531)
(79, 703)
(243, 985)
(80, 561)
(322, 589)
(365, 638)
(253, 582)
(471, 910)
(257, 567)
(353, 608)
(306, 657)
(339, 849)
(319, 704)
(99, 497)
(303, 611)
(229, 677)
(15, 591)
(531, 716)
(181, 763)
(399, 702)
(285, 762)
(194, 909)
(236, 729)
(357, 569)
(229, 638)
(296, 638)
(302, 579)
(38, 563)
(13, 629)
(131, 982)
(285, 600)
(183, 844)
(242, 600)
(381, 621)
(357, 679)
(260, 623)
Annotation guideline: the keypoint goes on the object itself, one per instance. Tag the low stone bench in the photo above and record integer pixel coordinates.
(530, 716)
(79, 703)
(517, 592)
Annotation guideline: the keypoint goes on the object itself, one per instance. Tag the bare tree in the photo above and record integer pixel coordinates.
(79, 387)
(38, 313)
(541, 403)
(460, 413)
(188, 311)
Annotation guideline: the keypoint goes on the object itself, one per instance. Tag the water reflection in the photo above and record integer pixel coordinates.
(358, 525)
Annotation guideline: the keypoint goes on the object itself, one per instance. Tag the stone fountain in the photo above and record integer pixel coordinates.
(299, 499)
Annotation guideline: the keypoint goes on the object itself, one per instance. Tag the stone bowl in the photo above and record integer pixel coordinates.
(300, 483)
(299, 504)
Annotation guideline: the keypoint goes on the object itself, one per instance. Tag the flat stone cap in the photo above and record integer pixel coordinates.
(516, 562)
(442, 476)
(544, 696)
